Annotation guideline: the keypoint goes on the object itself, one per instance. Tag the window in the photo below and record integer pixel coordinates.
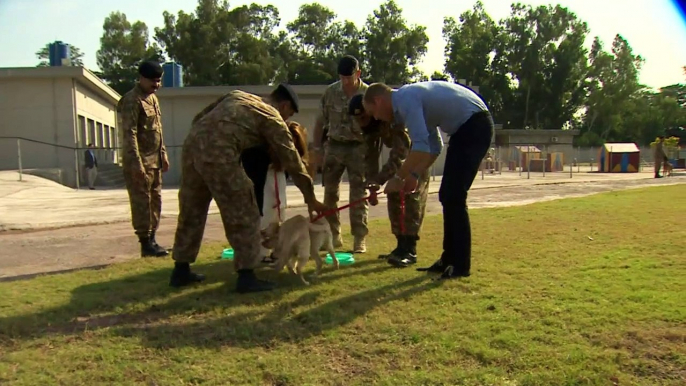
(82, 133)
(101, 137)
(113, 137)
(91, 133)
(107, 144)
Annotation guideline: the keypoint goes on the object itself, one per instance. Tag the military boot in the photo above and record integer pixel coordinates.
(408, 255)
(360, 245)
(147, 247)
(159, 251)
(182, 276)
(247, 282)
(398, 249)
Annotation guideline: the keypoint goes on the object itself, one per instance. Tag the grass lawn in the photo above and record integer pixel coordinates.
(584, 291)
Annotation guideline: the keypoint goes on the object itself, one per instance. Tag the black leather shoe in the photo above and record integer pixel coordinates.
(182, 276)
(402, 261)
(451, 273)
(247, 282)
(396, 252)
(436, 267)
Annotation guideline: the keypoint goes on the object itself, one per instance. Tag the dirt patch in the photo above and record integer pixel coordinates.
(34, 252)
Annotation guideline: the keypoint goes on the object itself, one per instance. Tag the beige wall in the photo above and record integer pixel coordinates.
(45, 105)
(96, 123)
(180, 105)
(40, 110)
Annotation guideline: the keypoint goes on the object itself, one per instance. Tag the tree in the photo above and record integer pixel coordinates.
(470, 48)
(614, 90)
(437, 75)
(543, 49)
(317, 43)
(392, 48)
(218, 45)
(123, 46)
(75, 55)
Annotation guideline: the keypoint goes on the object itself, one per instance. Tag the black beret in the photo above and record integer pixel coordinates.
(286, 91)
(355, 107)
(347, 65)
(150, 69)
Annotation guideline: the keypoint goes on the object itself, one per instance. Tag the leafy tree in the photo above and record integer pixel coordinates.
(318, 42)
(218, 45)
(614, 89)
(392, 48)
(545, 55)
(122, 47)
(437, 75)
(75, 55)
(470, 50)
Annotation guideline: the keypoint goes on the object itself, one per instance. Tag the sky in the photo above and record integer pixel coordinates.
(655, 29)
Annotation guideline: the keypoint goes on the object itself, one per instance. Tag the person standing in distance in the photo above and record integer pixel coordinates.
(145, 156)
(211, 169)
(459, 112)
(345, 151)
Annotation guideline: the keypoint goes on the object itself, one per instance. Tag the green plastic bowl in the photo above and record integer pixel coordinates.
(227, 254)
(343, 258)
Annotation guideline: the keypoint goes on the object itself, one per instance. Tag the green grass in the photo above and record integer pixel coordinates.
(546, 305)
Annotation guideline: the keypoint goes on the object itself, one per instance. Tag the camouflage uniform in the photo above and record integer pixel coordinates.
(396, 138)
(143, 148)
(345, 149)
(211, 169)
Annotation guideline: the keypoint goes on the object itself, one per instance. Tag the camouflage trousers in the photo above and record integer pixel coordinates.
(415, 207)
(145, 198)
(350, 157)
(201, 182)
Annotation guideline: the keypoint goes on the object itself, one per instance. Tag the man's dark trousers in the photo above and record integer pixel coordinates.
(466, 150)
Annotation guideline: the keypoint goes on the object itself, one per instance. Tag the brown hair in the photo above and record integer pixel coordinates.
(375, 90)
(299, 134)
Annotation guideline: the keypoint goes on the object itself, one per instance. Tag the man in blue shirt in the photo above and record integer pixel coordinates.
(458, 111)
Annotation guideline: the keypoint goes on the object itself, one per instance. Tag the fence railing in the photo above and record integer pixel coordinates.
(19, 153)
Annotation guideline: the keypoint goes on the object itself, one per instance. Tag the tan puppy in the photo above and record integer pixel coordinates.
(296, 240)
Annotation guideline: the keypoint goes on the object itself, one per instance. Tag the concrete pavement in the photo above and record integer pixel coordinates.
(36, 203)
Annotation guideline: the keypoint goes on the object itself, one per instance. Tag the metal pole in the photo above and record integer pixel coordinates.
(482, 169)
(571, 168)
(528, 166)
(76, 168)
(19, 158)
(545, 160)
(519, 161)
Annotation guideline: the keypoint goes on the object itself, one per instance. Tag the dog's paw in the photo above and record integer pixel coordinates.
(335, 264)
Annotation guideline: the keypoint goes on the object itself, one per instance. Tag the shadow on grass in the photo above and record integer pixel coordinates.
(145, 298)
(278, 324)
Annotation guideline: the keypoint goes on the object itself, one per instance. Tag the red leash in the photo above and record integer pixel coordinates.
(402, 212)
(372, 194)
(278, 199)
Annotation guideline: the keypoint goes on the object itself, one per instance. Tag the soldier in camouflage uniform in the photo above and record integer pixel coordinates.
(144, 155)
(345, 151)
(211, 169)
(378, 134)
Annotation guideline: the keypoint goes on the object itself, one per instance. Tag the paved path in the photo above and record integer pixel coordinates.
(36, 204)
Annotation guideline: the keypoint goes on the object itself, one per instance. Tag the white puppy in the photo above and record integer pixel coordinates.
(296, 240)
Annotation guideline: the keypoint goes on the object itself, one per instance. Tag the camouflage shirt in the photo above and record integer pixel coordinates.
(140, 124)
(396, 138)
(239, 121)
(338, 124)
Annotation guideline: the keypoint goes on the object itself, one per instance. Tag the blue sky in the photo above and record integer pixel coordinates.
(654, 28)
